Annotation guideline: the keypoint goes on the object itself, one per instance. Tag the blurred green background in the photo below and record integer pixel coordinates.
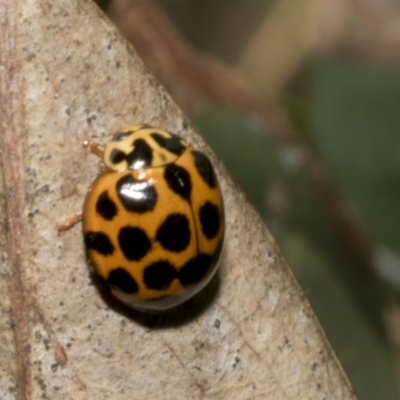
(333, 67)
(348, 111)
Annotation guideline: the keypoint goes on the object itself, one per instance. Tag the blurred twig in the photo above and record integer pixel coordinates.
(195, 78)
(366, 30)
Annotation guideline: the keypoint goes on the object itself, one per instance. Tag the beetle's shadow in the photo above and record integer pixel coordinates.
(171, 318)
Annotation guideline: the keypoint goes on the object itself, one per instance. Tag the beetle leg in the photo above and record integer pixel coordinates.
(69, 222)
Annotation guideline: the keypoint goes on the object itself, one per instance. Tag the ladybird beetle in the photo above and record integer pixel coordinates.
(153, 220)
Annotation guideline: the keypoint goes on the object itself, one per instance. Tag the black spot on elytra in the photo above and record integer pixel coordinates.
(178, 179)
(134, 243)
(136, 196)
(174, 233)
(172, 144)
(195, 269)
(99, 242)
(122, 280)
(159, 275)
(141, 152)
(205, 168)
(106, 207)
(210, 219)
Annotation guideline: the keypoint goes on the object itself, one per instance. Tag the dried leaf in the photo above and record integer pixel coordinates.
(68, 75)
